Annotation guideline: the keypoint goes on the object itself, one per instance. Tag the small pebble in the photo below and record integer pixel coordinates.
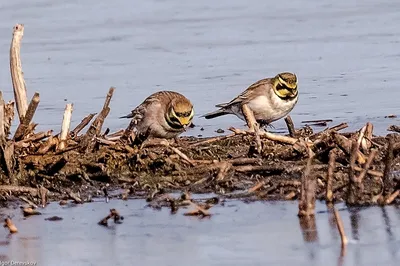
(202, 129)
(54, 218)
(63, 202)
(391, 116)
(219, 130)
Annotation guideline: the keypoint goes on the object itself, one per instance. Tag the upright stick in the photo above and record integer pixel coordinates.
(23, 126)
(65, 125)
(17, 76)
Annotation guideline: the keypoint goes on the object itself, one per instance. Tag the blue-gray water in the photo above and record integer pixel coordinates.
(236, 234)
(344, 52)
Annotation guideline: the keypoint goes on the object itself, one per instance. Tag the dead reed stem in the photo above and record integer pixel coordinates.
(24, 125)
(290, 126)
(308, 188)
(85, 121)
(17, 76)
(364, 171)
(266, 135)
(65, 125)
(331, 170)
(387, 180)
(355, 187)
(392, 197)
(87, 142)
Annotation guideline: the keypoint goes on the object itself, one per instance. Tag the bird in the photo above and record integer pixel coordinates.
(163, 114)
(269, 99)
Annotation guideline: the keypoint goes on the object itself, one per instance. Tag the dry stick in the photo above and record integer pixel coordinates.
(345, 144)
(50, 142)
(178, 152)
(17, 76)
(105, 110)
(18, 189)
(361, 135)
(34, 138)
(392, 197)
(249, 117)
(128, 131)
(366, 165)
(366, 142)
(256, 187)
(308, 187)
(223, 170)
(329, 131)
(8, 117)
(353, 186)
(73, 196)
(267, 135)
(252, 124)
(85, 121)
(370, 172)
(23, 126)
(65, 125)
(28, 201)
(290, 126)
(10, 225)
(210, 140)
(95, 127)
(331, 170)
(387, 181)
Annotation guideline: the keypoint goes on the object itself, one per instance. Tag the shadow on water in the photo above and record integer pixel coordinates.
(237, 233)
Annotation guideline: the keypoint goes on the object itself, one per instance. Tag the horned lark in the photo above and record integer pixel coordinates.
(270, 99)
(164, 114)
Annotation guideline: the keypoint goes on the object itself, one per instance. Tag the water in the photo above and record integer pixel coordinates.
(236, 234)
(345, 54)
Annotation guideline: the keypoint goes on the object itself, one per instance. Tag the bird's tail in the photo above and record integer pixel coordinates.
(127, 116)
(216, 113)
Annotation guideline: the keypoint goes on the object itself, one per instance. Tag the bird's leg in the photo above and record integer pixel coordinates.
(175, 141)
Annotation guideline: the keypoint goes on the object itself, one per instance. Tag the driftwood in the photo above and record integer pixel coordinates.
(16, 72)
(23, 127)
(95, 127)
(65, 126)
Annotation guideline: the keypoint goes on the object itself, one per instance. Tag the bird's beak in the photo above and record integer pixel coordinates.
(185, 121)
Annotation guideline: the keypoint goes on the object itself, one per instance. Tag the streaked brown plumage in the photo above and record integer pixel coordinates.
(164, 114)
(270, 99)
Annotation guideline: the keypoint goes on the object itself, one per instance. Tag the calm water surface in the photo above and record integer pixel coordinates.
(344, 52)
(237, 234)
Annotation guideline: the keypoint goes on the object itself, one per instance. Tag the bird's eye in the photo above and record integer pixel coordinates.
(279, 87)
(174, 119)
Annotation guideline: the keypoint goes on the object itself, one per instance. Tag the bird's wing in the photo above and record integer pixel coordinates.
(250, 93)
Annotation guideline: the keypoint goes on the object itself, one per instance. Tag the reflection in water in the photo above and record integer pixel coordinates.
(259, 233)
(308, 228)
